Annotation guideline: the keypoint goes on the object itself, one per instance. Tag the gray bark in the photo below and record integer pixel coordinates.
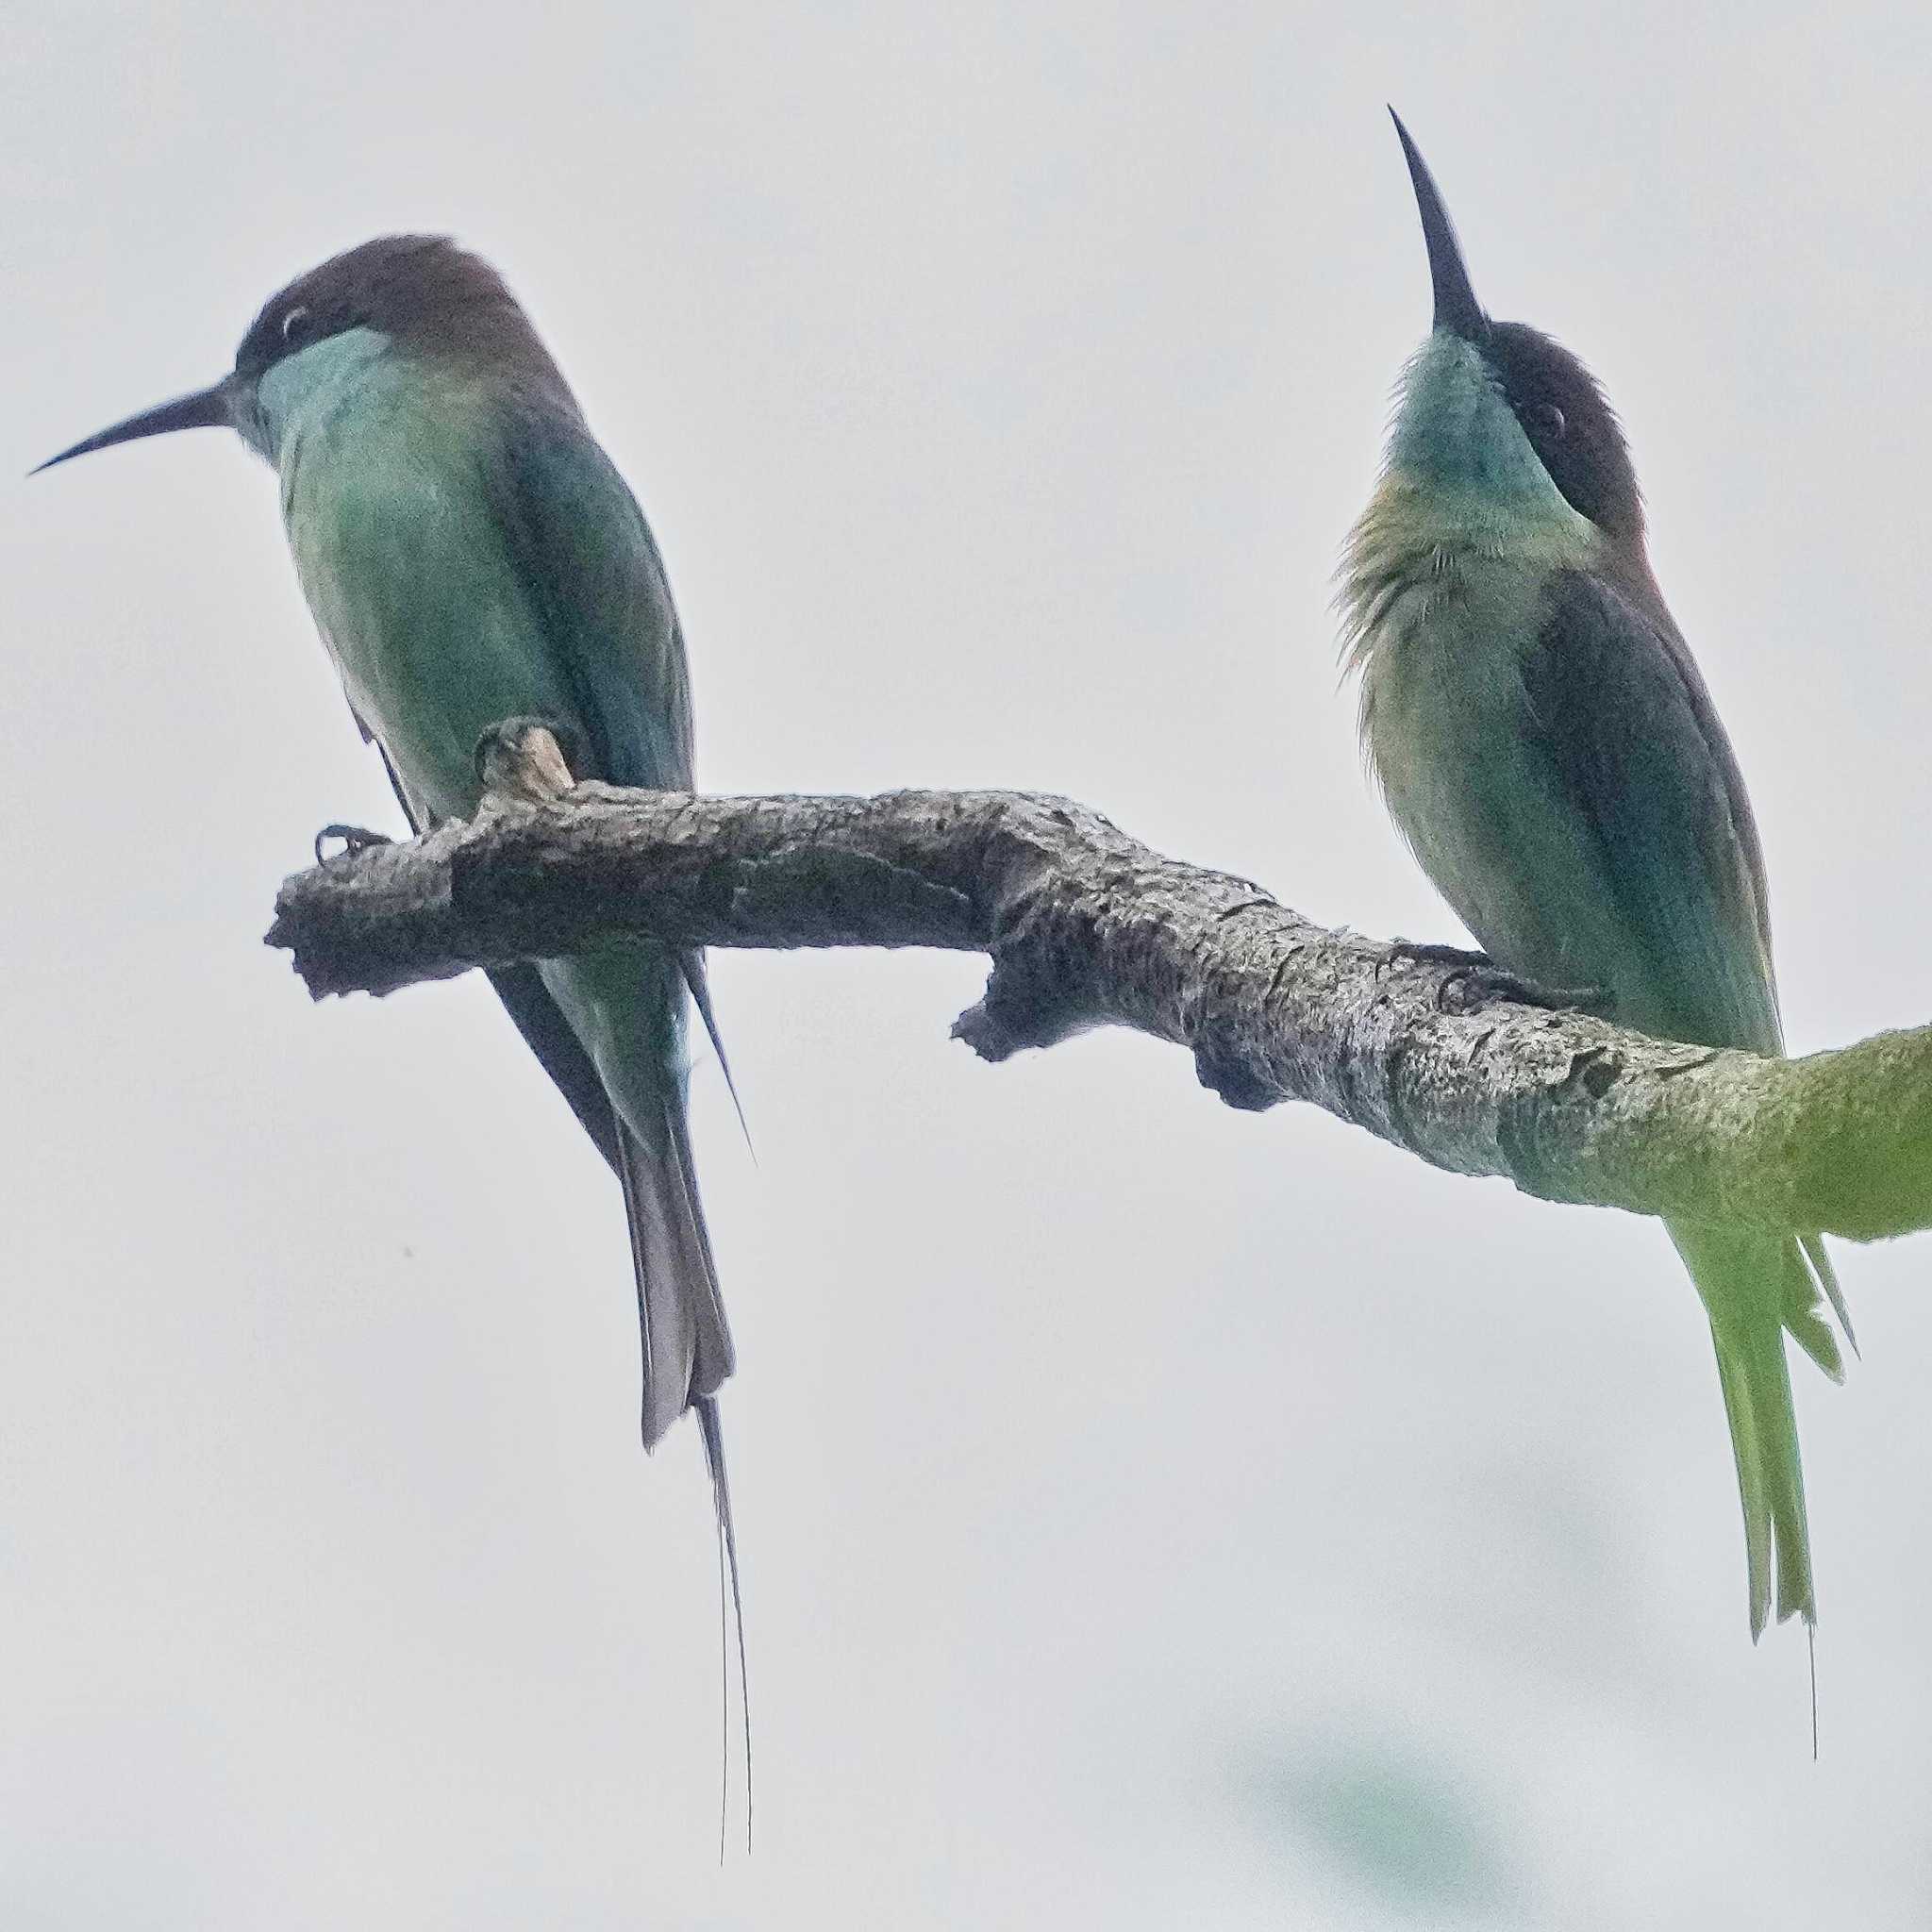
(1088, 927)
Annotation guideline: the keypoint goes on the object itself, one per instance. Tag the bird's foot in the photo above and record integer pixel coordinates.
(1481, 980)
(355, 840)
(535, 760)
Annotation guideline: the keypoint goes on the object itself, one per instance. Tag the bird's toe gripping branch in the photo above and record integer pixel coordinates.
(527, 759)
(354, 840)
(1476, 980)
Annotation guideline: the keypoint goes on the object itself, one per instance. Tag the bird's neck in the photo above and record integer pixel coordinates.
(300, 390)
(1418, 548)
(1465, 511)
(1456, 441)
(1415, 528)
(362, 385)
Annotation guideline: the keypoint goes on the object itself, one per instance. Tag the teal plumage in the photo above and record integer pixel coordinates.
(1547, 747)
(471, 555)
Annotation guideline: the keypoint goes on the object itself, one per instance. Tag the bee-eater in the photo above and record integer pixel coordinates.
(470, 556)
(1548, 750)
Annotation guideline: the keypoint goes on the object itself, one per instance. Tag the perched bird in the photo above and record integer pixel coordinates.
(470, 556)
(1547, 748)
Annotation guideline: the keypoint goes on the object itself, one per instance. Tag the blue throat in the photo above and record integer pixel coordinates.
(1456, 437)
(302, 386)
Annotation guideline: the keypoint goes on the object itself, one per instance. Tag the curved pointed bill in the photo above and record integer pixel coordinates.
(205, 409)
(1457, 309)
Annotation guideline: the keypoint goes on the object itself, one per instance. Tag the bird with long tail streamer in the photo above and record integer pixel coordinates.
(1546, 745)
(471, 555)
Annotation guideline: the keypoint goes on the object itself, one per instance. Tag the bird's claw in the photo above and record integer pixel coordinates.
(1483, 980)
(532, 758)
(355, 840)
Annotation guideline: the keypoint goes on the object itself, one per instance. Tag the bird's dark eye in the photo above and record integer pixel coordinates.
(295, 326)
(1551, 420)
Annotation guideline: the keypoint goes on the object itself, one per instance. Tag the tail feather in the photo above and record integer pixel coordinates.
(1746, 1282)
(712, 1427)
(1813, 1245)
(681, 1325)
(692, 966)
(625, 1010)
(1741, 1413)
(1802, 1307)
(686, 1342)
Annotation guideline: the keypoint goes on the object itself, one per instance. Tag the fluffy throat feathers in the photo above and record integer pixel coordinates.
(1464, 500)
(1419, 546)
(364, 381)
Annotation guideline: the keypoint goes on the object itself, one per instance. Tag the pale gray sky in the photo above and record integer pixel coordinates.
(1153, 1515)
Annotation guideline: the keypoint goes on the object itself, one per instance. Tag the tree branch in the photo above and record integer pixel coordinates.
(1088, 927)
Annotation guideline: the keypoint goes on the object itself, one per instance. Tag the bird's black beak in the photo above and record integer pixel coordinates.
(1457, 309)
(205, 409)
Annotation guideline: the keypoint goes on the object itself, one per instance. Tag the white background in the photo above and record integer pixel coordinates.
(1153, 1515)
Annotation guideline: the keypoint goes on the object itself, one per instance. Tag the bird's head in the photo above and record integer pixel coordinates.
(414, 296)
(1498, 407)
